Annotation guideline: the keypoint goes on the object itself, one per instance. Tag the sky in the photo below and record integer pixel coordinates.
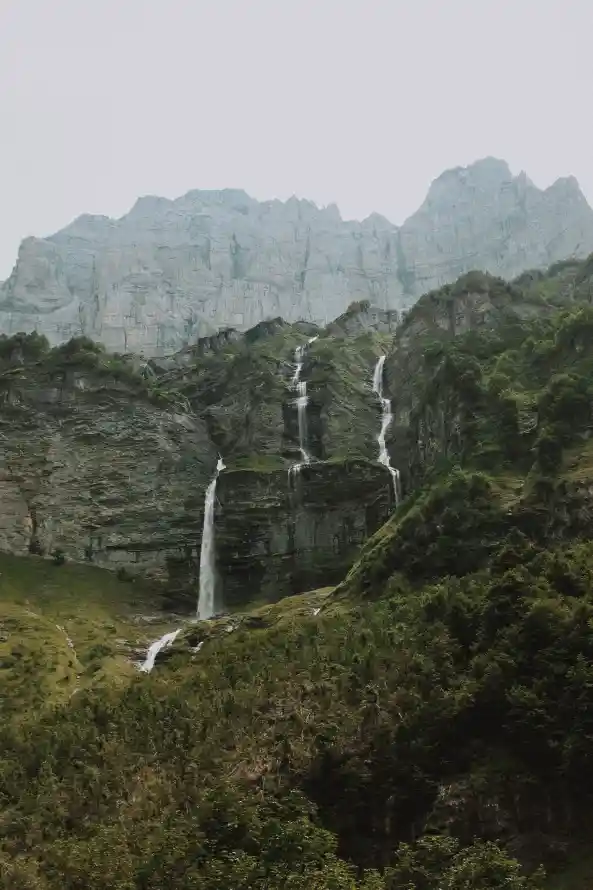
(357, 102)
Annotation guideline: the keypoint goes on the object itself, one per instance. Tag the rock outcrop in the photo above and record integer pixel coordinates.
(276, 538)
(91, 467)
(107, 458)
(429, 386)
(171, 272)
(279, 534)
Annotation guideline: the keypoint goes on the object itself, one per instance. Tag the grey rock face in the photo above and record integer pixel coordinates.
(171, 272)
(481, 217)
(276, 539)
(90, 468)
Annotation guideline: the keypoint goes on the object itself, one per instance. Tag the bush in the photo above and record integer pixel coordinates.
(123, 574)
(59, 557)
(31, 346)
(358, 306)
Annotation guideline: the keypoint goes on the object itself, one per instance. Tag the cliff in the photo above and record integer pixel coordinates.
(106, 458)
(278, 533)
(171, 272)
(92, 463)
(491, 394)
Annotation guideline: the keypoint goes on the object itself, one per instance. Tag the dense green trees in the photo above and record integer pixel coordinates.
(294, 756)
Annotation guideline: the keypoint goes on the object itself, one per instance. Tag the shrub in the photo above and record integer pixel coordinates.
(59, 557)
(123, 574)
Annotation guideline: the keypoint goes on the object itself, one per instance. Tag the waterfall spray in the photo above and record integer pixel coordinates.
(385, 422)
(207, 552)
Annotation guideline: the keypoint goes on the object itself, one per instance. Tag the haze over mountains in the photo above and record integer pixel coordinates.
(171, 271)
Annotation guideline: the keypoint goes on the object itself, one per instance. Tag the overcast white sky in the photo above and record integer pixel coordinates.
(361, 102)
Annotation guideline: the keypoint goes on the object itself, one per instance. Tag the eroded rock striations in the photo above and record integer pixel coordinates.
(171, 272)
(275, 540)
(89, 465)
(107, 458)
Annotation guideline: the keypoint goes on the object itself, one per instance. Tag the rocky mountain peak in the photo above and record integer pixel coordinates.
(170, 272)
(486, 174)
(567, 188)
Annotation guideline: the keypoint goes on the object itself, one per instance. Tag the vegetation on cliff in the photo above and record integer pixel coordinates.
(427, 725)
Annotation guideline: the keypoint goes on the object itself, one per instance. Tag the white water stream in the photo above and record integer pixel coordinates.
(302, 401)
(154, 650)
(208, 552)
(386, 419)
(205, 607)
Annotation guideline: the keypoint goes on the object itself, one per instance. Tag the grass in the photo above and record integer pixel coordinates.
(63, 628)
(578, 874)
(258, 463)
(66, 628)
(261, 618)
(578, 462)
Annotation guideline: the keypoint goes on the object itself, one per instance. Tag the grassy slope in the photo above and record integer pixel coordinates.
(67, 628)
(43, 606)
(577, 875)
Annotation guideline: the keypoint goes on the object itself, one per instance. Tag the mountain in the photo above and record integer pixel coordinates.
(420, 719)
(107, 458)
(171, 272)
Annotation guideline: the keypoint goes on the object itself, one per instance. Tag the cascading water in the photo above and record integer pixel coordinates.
(299, 355)
(302, 401)
(207, 552)
(154, 650)
(385, 422)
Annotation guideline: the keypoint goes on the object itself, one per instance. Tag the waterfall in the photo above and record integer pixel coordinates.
(302, 400)
(301, 403)
(299, 355)
(385, 422)
(154, 650)
(207, 553)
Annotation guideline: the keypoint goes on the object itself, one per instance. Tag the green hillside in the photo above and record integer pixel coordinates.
(427, 724)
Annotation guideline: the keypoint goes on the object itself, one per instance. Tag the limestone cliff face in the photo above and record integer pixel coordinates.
(107, 458)
(481, 217)
(89, 466)
(277, 537)
(171, 272)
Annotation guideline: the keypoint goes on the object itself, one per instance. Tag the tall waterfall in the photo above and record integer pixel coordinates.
(302, 401)
(385, 422)
(155, 648)
(207, 552)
